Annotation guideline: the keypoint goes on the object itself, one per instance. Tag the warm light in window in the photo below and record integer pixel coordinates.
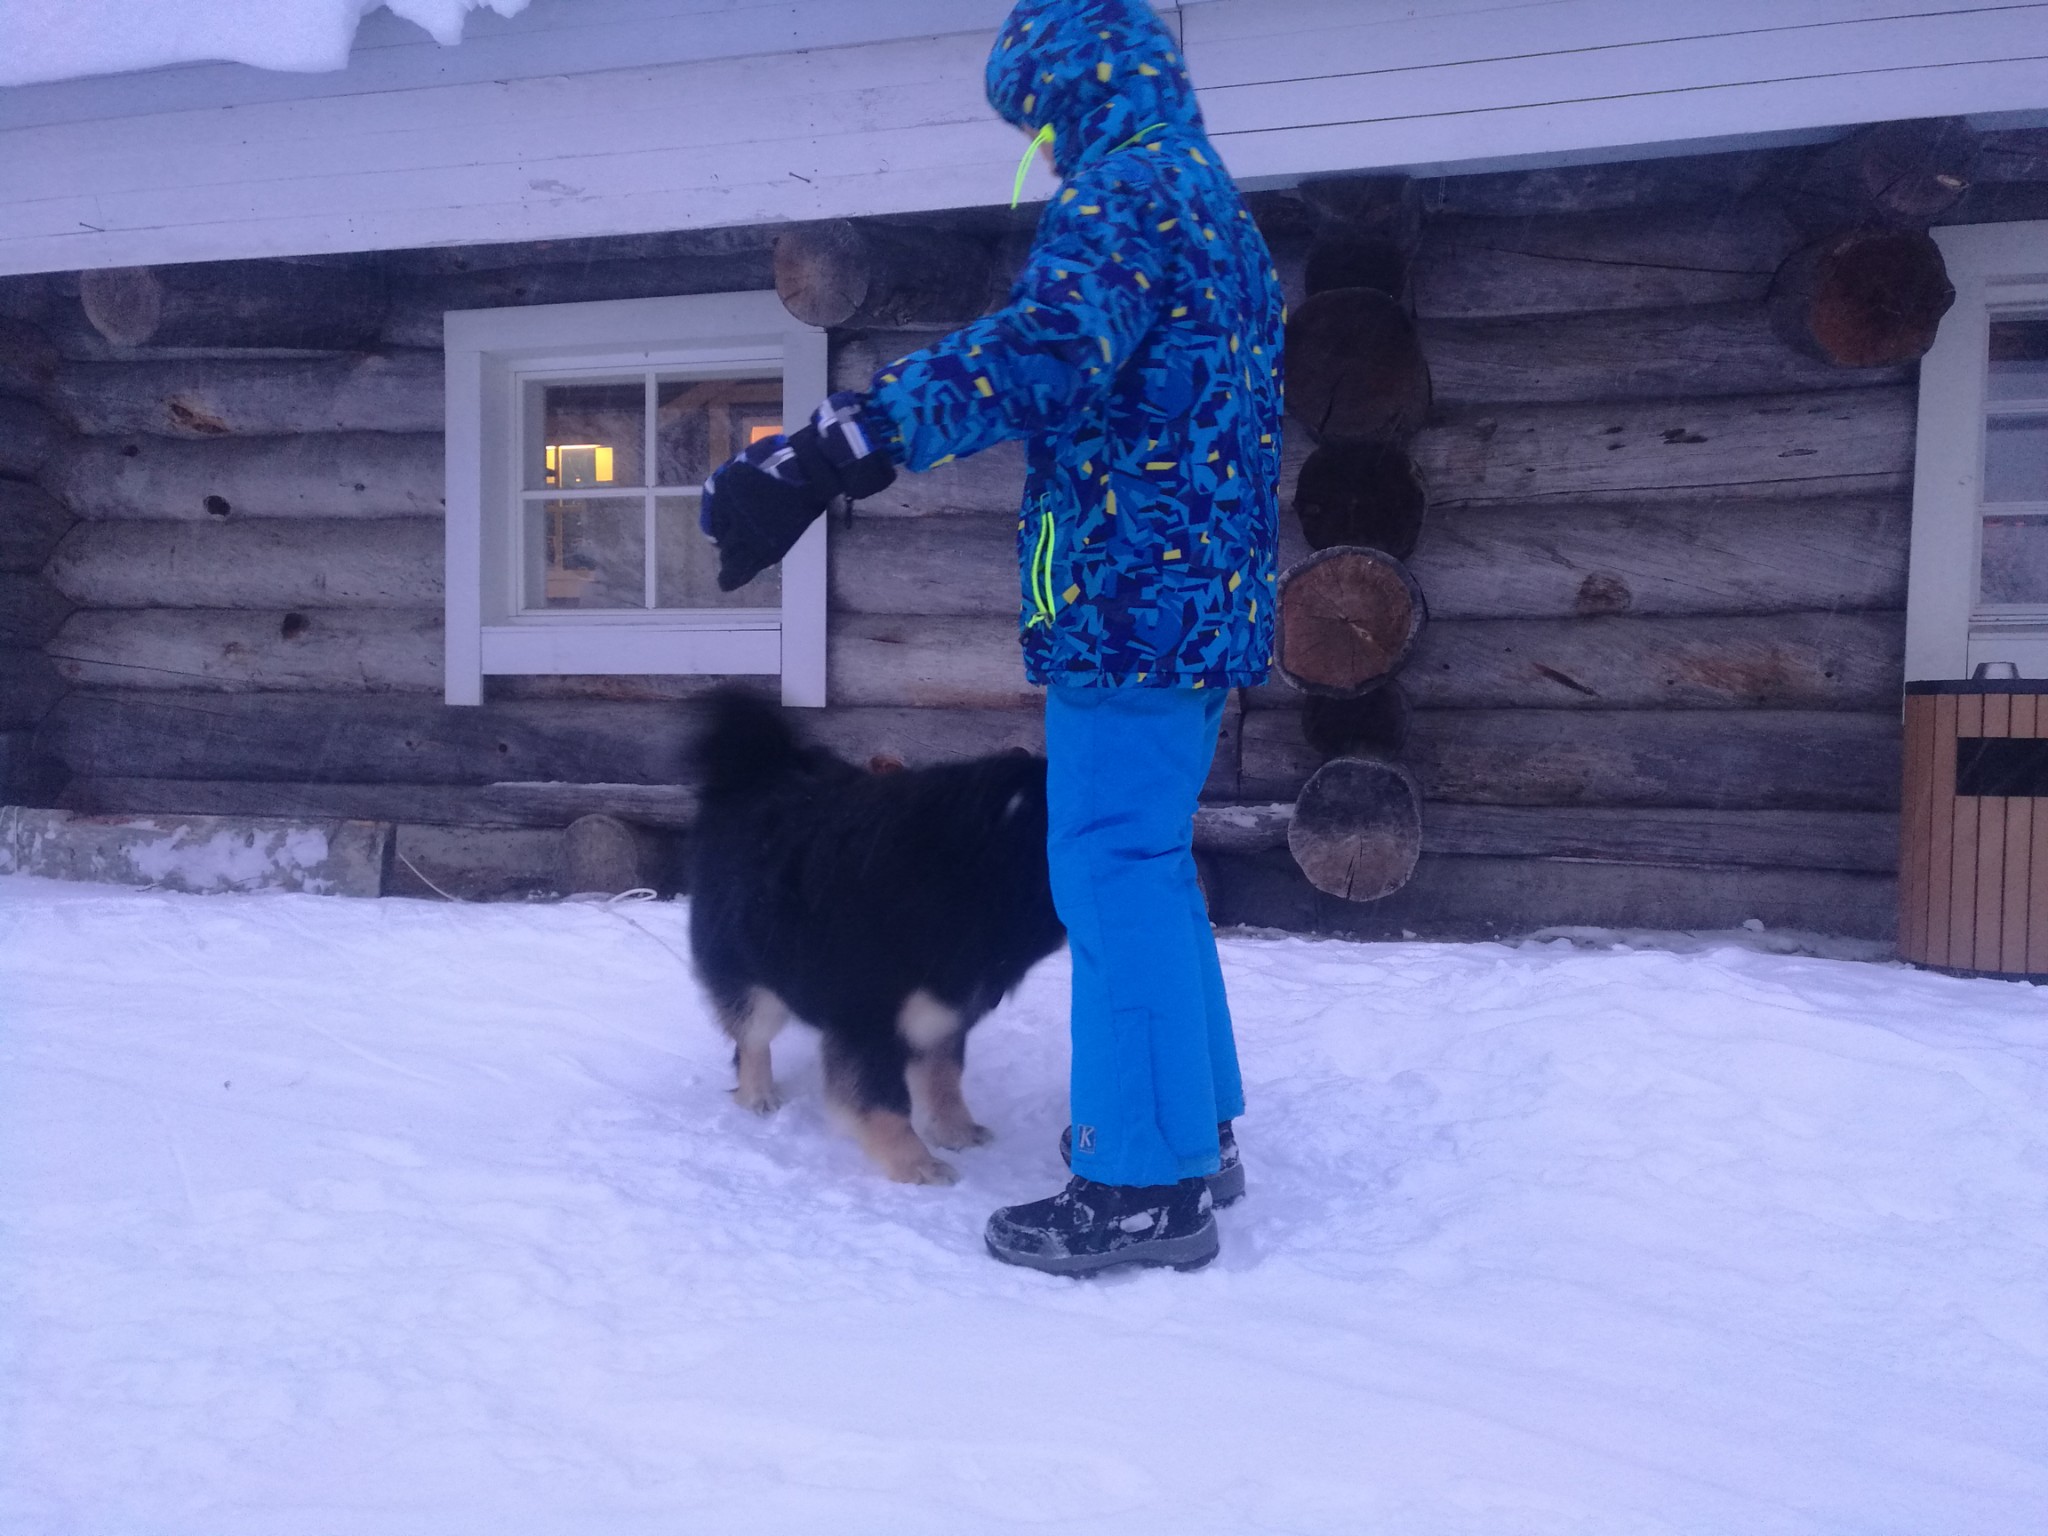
(579, 464)
(757, 433)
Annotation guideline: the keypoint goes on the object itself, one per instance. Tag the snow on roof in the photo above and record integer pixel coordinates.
(67, 39)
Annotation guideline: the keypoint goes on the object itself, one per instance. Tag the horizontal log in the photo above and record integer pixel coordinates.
(1545, 560)
(1896, 174)
(1660, 354)
(673, 248)
(28, 433)
(411, 739)
(335, 474)
(29, 687)
(2012, 154)
(942, 564)
(302, 304)
(543, 804)
(1701, 557)
(1782, 661)
(1374, 723)
(28, 359)
(417, 306)
(928, 662)
(1471, 268)
(253, 563)
(1827, 760)
(871, 273)
(27, 777)
(31, 610)
(1704, 181)
(1857, 440)
(1455, 897)
(1361, 493)
(346, 650)
(264, 397)
(425, 804)
(1866, 841)
(1356, 371)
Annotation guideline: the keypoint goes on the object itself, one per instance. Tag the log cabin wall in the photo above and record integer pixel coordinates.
(1665, 557)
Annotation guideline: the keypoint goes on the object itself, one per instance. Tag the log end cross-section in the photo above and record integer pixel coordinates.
(1348, 619)
(1357, 828)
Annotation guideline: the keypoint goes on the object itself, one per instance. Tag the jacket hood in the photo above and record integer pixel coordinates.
(1095, 71)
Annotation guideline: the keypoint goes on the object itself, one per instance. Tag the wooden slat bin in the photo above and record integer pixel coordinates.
(1973, 856)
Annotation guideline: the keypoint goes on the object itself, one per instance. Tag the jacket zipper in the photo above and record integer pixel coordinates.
(1041, 573)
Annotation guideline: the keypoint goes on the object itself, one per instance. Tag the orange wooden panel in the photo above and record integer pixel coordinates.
(1997, 714)
(2037, 900)
(1970, 714)
(2014, 911)
(1916, 818)
(1962, 893)
(1941, 827)
(1989, 932)
(2026, 714)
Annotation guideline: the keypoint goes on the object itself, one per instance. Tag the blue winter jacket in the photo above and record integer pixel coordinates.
(1139, 359)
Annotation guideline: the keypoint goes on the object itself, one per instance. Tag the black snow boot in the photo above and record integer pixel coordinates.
(1226, 1184)
(1088, 1227)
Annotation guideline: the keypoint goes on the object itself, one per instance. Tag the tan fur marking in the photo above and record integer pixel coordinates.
(935, 1089)
(926, 1022)
(889, 1139)
(752, 1030)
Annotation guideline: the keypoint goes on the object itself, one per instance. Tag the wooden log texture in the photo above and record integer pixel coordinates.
(928, 661)
(1454, 897)
(1902, 174)
(1857, 440)
(1828, 760)
(1356, 371)
(1377, 722)
(419, 303)
(602, 853)
(427, 804)
(1349, 619)
(31, 610)
(1868, 299)
(29, 687)
(1683, 557)
(1367, 494)
(673, 806)
(1783, 661)
(1540, 560)
(27, 435)
(303, 304)
(1357, 828)
(871, 273)
(233, 650)
(260, 563)
(1476, 268)
(1701, 350)
(257, 397)
(2012, 154)
(32, 523)
(1358, 262)
(1698, 181)
(28, 359)
(337, 474)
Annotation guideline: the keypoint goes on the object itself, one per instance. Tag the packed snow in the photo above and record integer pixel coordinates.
(387, 1216)
(65, 39)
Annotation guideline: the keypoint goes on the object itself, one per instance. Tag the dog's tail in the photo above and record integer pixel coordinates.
(746, 743)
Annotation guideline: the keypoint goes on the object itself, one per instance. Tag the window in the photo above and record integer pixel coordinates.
(579, 439)
(1979, 587)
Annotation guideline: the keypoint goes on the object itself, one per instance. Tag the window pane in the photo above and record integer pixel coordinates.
(686, 564)
(700, 423)
(2019, 359)
(584, 435)
(2015, 566)
(586, 554)
(2016, 458)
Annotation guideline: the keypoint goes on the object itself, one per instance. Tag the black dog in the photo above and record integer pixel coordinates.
(890, 910)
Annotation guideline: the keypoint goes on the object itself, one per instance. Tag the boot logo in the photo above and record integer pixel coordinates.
(1084, 1138)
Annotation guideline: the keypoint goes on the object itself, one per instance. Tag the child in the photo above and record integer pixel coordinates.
(1139, 360)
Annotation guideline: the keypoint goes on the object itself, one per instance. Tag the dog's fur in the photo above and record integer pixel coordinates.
(890, 910)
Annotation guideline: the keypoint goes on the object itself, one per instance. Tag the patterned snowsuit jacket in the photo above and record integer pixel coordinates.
(1139, 359)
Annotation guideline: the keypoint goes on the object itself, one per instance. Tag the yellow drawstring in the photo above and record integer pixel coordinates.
(1043, 136)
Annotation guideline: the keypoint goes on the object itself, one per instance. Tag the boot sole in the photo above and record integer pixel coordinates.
(1190, 1252)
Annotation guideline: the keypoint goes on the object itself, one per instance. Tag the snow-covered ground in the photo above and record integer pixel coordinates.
(389, 1217)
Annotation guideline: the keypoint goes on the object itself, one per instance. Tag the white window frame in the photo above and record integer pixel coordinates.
(1997, 270)
(487, 351)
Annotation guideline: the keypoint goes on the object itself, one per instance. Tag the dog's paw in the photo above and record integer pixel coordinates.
(928, 1170)
(957, 1138)
(762, 1101)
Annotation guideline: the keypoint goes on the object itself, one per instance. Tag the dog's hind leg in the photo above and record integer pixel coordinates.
(934, 1077)
(753, 1021)
(866, 1088)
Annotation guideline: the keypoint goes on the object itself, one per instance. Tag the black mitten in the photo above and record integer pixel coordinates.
(758, 504)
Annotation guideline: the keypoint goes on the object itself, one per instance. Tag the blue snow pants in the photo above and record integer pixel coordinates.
(1154, 1061)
